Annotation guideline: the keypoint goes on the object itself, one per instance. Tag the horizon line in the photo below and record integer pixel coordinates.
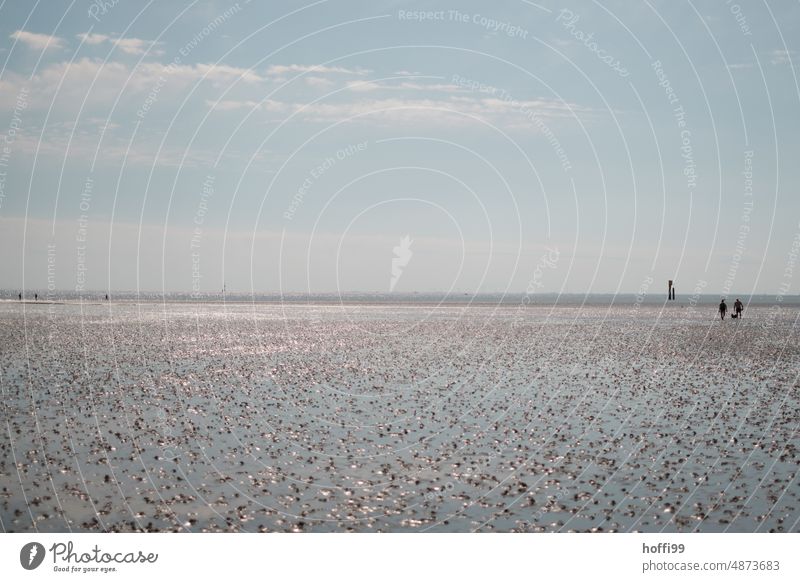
(220, 293)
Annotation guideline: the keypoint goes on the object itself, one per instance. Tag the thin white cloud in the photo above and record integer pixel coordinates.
(73, 81)
(366, 86)
(781, 57)
(92, 38)
(98, 84)
(130, 46)
(37, 41)
(317, 69)
(217, 72)
(233, 105)
(454, 110)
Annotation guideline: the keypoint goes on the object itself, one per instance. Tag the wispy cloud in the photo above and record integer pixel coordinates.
(781, 57)
(219, 72)
(453, 110)
(419, 100)
(107, 79)
(365, 86)
(130, 46)
(317, 69)
(233, 105)
(37, 41)
(97, 84)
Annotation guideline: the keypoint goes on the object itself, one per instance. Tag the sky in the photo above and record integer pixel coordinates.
(400, 146)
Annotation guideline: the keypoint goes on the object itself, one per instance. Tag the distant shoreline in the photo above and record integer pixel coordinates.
(496, 299)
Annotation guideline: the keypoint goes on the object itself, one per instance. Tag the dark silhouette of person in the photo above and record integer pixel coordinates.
(738, 307)
(36, 297)
(722, 309)
(20, 296)
(106, 296)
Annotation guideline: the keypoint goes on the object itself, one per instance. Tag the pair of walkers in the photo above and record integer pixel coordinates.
(738, 307)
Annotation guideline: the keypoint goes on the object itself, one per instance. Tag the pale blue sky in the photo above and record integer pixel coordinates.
(489, 133)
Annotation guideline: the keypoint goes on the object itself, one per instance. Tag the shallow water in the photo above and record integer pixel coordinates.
(264, 417)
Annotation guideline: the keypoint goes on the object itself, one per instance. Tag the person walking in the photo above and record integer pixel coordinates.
(722, 309)
(738, 307)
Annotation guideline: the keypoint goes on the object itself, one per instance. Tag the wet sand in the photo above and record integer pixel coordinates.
(181, 417)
